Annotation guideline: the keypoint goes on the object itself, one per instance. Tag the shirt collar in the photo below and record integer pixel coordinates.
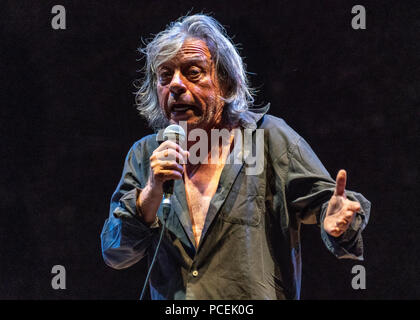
(250, 118)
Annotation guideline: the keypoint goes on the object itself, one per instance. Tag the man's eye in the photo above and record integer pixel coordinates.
(165, 76)
(194, 72)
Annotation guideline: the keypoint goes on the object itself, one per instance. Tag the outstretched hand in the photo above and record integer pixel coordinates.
(340, 211)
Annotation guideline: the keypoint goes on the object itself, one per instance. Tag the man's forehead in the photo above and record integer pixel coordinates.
(194, 47)
(192, 50)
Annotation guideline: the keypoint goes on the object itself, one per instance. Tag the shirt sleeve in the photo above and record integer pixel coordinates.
(309, 187)
(125, 238)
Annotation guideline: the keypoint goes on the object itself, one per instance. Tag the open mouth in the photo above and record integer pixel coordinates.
(182, 107)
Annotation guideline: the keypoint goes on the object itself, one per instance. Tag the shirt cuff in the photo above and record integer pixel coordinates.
(128, 208)
(349, 245)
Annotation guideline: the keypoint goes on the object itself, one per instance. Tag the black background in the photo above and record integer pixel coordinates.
(68, 119)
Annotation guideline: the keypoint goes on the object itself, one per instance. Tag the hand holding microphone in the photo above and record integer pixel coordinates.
(167, 160)
(166, 165)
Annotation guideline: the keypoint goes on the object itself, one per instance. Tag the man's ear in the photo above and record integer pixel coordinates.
(225, 87)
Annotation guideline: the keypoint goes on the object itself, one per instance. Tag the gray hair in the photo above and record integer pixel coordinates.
(229, 66)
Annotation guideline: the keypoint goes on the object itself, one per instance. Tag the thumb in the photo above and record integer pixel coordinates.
(340, 183)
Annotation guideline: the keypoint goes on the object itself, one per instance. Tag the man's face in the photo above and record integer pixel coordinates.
(188, 88)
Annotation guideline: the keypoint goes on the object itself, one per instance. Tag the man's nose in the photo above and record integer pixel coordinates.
(177, 86)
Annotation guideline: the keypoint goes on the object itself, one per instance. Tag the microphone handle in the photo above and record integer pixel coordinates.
(168, 186)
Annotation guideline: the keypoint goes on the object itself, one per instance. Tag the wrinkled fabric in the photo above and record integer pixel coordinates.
(250, 245)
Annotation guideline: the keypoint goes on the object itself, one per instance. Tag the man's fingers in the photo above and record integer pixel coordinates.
(169, 175)
(336, 232)
(169, 165)
(340, 183)
(170, 154)
(168, 144)
(341, 223)
(349, 215)
(354, 206)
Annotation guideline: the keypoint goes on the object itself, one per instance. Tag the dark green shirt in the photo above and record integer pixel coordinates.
(250, 244)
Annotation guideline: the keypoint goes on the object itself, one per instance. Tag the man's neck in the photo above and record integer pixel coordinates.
(215, 158)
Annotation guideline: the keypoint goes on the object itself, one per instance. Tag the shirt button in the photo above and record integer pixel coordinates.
(195, 273)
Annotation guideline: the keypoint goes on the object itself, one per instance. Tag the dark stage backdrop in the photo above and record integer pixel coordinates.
(68, 119)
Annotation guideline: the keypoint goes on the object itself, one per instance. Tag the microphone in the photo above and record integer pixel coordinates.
(174, 133)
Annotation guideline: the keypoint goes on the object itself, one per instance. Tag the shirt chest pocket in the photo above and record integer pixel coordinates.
(245, 203)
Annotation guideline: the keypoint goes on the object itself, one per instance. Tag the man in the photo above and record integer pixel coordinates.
(230, 234)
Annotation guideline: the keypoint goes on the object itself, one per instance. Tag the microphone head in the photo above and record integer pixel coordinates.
(174, 133)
